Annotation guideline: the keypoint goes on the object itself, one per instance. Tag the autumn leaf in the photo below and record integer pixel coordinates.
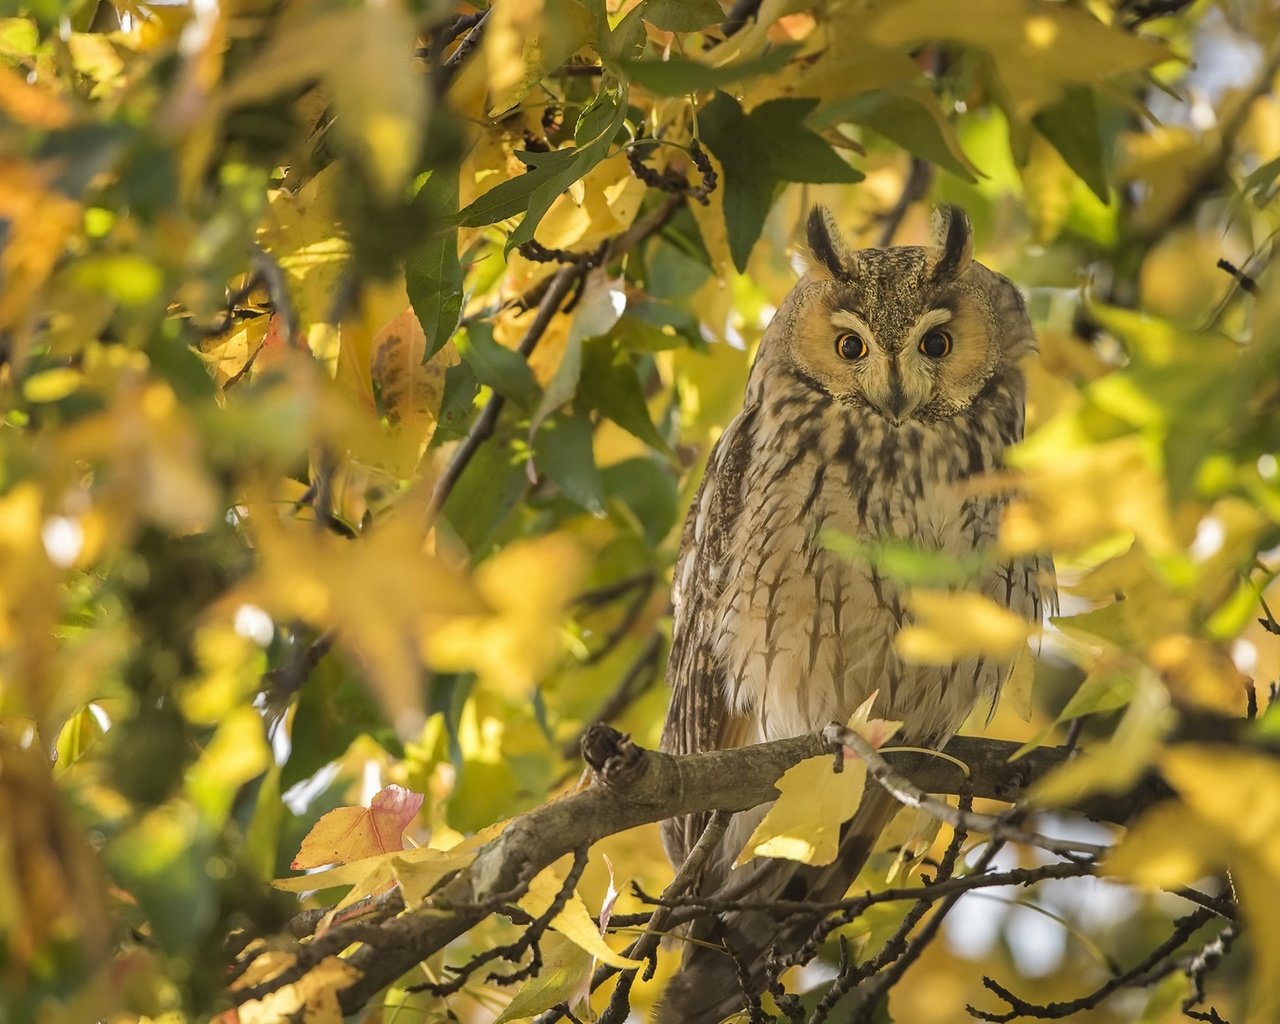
(814, 801)
(352, 833)
(950, 626)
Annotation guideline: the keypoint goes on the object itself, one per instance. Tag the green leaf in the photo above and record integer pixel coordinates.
(1071, 126)
(679, 75)
(162, 859)
(1259, 182)
(624, 43)
(432, 272)
(682, 15)
(563, 451)
(497, 366)
(760, 149)
(457, 405)
(486, 493)
(909, 117)
(649, 491)
(564, 978)
(551, 173)
(610, 384)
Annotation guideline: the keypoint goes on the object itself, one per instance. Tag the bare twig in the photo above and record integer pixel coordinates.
(561, 285)
(285, 681)
(1244, 280)
(912, 795)
(646, 946)
(1151, 969)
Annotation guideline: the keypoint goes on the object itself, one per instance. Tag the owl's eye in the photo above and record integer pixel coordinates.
(936, 344)
(850, 346)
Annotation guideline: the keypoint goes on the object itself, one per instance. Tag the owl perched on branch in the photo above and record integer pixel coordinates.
(886, 381)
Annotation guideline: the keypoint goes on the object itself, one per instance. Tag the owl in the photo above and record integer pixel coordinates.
(886, 382)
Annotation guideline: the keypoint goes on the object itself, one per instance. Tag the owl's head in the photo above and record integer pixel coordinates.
(912, 332)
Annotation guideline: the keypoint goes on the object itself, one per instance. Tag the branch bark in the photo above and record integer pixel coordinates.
(633, 786)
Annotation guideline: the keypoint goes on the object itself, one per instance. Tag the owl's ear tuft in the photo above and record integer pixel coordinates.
(954, 236)
(831, 257)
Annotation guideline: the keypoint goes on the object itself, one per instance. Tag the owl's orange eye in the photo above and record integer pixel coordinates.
(936, 344)
(850, 346)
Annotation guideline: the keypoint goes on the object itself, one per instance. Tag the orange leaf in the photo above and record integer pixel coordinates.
(351, 833)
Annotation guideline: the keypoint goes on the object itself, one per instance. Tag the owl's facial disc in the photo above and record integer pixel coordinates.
(894, 375)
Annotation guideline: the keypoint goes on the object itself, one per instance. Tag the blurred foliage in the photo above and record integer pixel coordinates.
(261, 274)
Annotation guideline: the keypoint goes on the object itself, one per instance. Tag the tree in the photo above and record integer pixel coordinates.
(358, 362)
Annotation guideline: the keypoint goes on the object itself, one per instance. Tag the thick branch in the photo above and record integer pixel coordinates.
(635, 787)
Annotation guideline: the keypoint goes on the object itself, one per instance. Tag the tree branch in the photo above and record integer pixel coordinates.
(634, 787)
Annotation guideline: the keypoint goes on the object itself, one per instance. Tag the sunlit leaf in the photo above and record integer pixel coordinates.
(804, 822)
(565, 978)
(951, 626)
(573, 922)
(351, 833)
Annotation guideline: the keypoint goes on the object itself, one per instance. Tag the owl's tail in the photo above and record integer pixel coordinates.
(709, 985)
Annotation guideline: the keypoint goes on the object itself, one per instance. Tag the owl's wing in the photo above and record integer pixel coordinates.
(697, 718)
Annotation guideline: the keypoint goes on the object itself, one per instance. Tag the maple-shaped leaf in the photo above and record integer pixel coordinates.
(352, 833)
(760, 149)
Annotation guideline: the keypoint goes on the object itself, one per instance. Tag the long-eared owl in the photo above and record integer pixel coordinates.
(886, 382)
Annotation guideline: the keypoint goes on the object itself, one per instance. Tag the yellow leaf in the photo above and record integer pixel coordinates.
(952, 626)
(1036, 49)
(1116, 765)
(1199, 674)
(417, 871)
(380, 116)
(1165, 848)
(804, 822)
(1048, 183)
(237, 753)
(39, 220)
(574, 922)
(1016, 692)
(300, 230)
(1231, 817)
(565, 978)
(524, 42)
(51, 385)
(347, 834)
(526, 587)
(28, 103)
(1079, 492)
(315, 994)
(715, 235)
(1236, 791)
(386, 595)
(410, 390)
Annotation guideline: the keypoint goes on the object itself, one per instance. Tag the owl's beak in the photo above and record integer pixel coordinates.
(897, 404)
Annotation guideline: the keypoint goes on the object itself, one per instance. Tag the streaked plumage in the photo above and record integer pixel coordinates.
(851, 422)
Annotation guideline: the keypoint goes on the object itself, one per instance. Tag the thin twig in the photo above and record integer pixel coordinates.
(1151, 969)
(915, 186)
(646, 946)
(561, 285)
(1244, 280)
(912, 795)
